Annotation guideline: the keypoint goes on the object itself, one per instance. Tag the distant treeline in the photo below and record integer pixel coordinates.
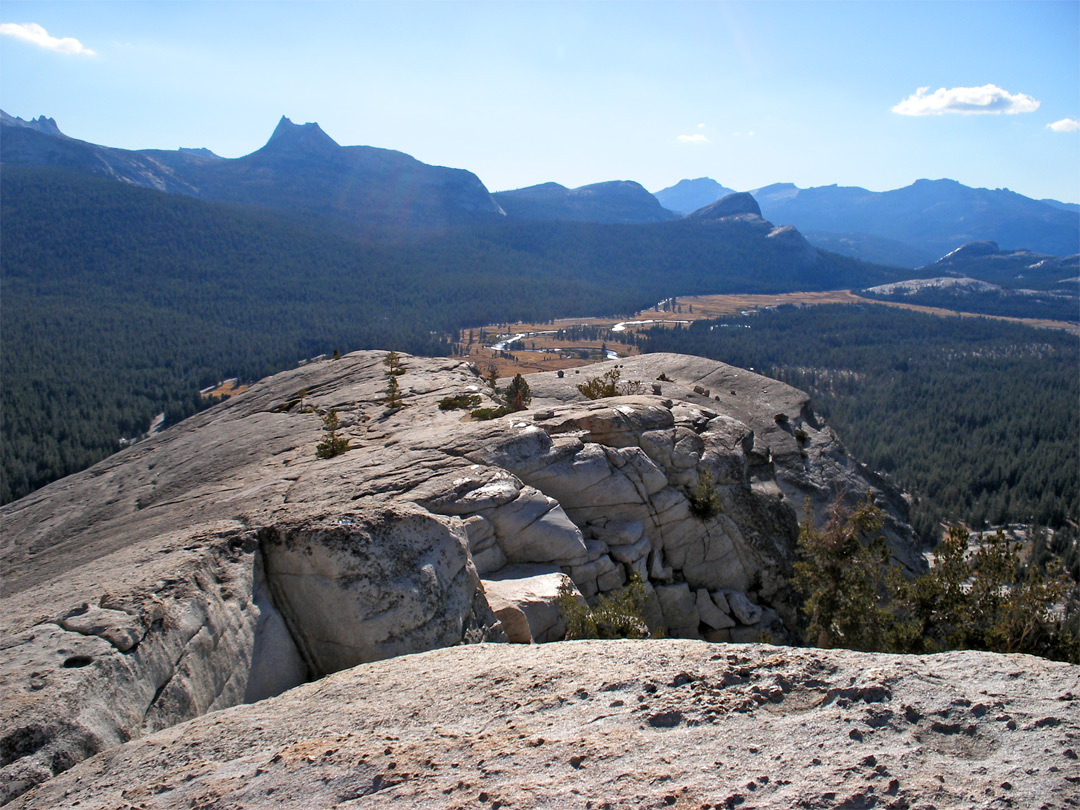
(977, 418)
(1007, 303)
(120, 303)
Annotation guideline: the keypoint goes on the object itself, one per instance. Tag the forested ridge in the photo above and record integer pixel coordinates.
(1002, 303)
(122, 302)
(977, 418)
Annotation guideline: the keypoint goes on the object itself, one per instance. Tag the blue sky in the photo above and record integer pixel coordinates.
(523, 93)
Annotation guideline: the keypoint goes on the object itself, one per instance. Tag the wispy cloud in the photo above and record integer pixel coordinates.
(1064, 125)
(697, 137)
(967, 101)
(36, 35)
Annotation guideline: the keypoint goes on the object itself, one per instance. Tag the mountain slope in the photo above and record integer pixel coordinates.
(614, 202)
(122, 302)
(980, 278)
(1017, 269)
(907, 227)
(688, 196)
(300, 169)
(929, 215)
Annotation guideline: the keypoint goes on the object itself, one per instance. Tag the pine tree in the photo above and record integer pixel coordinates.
(393, 394)
(392, 361)
(517, 394)
(332, 444)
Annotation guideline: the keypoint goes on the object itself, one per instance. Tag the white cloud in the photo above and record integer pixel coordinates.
(36, 35)
(1064, 125)
(966, 100)
(695, 138)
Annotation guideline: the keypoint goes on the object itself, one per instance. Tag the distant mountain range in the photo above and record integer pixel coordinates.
(134, 278)
(907, 227)
(1011, 269)
(615, 202)
(370, 191)
(300, 169)
(981, 278)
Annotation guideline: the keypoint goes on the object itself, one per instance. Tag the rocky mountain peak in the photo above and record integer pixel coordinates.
(688, 196)
(613, 201)
(972, 249)
(200, 151)
(46, 126)
(737, 204)
(307, 138)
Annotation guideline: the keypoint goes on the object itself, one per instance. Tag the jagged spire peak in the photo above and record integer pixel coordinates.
(307, 137)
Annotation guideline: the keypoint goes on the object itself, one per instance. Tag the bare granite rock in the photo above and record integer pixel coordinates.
(532, 591)
(221, 561)
(623, 724)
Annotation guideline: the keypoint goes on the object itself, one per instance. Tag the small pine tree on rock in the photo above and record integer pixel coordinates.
(705, 500)
(517, 394)
(393, 394)
(332, 444)
(392, 361)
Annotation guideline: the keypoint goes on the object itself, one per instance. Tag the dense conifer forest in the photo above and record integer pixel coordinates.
(121, 303)
(977, 418)
(1002, 303)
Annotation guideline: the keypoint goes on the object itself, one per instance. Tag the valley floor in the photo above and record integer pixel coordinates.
(541, 350)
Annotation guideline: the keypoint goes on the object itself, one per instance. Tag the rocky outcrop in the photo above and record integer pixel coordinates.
(739, 203)
(221, 561)
(371, 584)
(786, 448)
(739, 214)
(625, 724)
(525, 599)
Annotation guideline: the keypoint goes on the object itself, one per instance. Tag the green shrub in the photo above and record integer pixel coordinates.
(608, 385)
(988, 601)
(393, 398)
(856, 597)
(620, 614)
(705, 500)
(459, 402)
(848, 584)
(485, 414)
(516, 397)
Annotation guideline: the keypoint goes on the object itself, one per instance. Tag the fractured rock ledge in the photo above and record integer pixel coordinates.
(220, 561)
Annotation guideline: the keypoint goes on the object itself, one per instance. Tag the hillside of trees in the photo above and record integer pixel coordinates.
(976, 418)
(121, 303)
(1052, 306)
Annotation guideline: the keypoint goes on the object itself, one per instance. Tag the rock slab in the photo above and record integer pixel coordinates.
(628, 724)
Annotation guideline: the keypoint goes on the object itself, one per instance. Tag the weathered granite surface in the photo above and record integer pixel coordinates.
(221, 561)
(632, 724)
